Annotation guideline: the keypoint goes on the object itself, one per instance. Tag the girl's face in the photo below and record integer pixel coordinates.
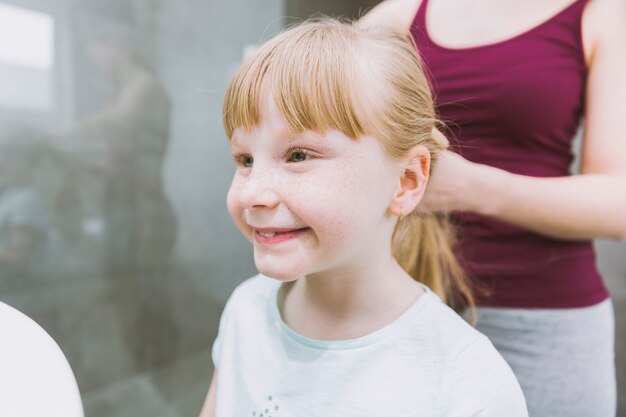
(311, 203)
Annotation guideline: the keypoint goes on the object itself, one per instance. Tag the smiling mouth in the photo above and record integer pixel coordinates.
(272, 237)
(268, 234)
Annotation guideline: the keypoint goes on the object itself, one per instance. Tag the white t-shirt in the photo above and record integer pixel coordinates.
(428, 362)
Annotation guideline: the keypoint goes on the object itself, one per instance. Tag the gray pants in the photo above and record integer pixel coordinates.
(564, 359)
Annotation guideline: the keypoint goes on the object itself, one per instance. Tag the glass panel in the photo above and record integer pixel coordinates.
(114, 234)
(26, 58)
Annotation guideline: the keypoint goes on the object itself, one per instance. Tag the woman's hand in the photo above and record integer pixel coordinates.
(452, 185)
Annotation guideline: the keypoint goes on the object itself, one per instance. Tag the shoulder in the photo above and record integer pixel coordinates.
(245, 313)
(258, 285)
(462, 342)
(396, 14)
(251, 294)
(477, 381)
(34, 367)
(445, 328)
(604, 25)
(610, 12)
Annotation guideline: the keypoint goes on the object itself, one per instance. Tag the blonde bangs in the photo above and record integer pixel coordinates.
(317, 94)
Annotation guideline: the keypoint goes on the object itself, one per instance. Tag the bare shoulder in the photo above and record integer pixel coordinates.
(604, 31)
(604, 25)
(397, 14)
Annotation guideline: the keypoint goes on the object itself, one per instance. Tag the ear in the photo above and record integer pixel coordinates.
(412, 181)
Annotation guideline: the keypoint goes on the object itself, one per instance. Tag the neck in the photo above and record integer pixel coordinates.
(350, 302)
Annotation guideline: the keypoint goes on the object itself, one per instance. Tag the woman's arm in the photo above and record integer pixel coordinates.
(208, 409)
(590, 205)
(574, 208)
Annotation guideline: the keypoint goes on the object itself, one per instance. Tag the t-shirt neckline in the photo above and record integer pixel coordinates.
(353, 343)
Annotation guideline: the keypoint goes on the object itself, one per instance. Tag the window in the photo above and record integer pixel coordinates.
(26, 59)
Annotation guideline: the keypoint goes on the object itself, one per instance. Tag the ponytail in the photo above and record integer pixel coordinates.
(423, 245)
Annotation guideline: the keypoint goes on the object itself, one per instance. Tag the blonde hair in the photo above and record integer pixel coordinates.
(324, 75)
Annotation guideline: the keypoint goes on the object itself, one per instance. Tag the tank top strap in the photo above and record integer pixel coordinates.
(574, 9)
(419, 20)
(418, 25)
(420, 17)
(570, 15)
(565, 27)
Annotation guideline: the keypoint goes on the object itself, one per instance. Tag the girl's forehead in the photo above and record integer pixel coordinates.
(271, 123)
(266, 128)
(269, 114)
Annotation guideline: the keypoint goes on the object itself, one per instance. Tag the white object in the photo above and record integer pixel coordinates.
(35, 377)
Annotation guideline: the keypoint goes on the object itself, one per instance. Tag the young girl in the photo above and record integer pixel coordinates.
(331, 130)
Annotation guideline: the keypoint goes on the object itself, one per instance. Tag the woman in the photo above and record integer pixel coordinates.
(514, 79)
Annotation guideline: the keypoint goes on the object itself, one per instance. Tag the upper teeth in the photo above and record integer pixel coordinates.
(267, 234)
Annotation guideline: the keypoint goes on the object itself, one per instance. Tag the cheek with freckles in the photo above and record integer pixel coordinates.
(340, 205)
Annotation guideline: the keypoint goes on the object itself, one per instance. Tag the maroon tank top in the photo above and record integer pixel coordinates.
(516, 105)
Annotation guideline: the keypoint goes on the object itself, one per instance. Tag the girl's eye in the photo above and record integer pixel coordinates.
(245, 161)
(298, 155)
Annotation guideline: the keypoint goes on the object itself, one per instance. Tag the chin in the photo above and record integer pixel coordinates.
(279, 274)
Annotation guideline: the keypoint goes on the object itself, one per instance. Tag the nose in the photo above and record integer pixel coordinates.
(259, 190)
